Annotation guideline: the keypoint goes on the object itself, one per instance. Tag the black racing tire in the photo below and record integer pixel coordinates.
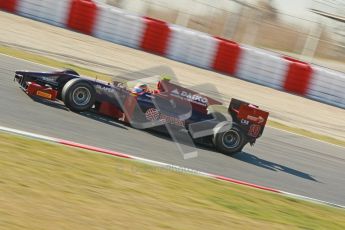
(71, 71)
(231, 141)
(78, 95)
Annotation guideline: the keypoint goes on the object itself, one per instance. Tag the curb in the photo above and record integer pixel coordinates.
(161, 164)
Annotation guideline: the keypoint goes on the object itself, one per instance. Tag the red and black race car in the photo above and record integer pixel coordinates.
(169, 107)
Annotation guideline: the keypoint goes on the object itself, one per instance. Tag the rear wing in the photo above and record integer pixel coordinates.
(249, 117)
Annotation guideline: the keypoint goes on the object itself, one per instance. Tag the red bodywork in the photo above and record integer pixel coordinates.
(34, 89)
(251, 119)
(253, 114)
(110, 110)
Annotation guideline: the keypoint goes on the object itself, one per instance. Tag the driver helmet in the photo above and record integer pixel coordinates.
(140, 88)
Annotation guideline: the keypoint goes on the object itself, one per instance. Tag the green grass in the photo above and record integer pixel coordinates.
(46, 186)
(84, 71)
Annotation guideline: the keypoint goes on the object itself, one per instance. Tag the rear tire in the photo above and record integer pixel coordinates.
(78, 95)
(230, 142)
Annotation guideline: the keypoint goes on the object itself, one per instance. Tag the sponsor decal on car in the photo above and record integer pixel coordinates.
(188, 96)
(254, 130)
(244, 122)
(153, 114)
(43, 94)
(258, 120)
(110, 92)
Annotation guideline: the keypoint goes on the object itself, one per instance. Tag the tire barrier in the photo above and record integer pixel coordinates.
(119, 27)
(327, 86)
(261, 67)
(8, 5)
(48, 11)
(82, 16)
(226, 58)
(191, 47)
(185, 45)
(156, 36)
(297, 77)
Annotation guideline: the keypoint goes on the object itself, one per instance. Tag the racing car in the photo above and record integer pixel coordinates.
(168, 107)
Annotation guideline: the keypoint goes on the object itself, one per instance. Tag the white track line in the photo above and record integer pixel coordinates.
(160, 164)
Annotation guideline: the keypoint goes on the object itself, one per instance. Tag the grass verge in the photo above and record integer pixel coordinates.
(306, 133)
(46, 186)
(84, 71)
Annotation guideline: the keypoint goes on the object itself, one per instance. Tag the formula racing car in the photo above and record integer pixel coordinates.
(169, 107)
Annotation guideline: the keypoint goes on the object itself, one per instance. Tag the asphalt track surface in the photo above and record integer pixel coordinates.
(279, 159)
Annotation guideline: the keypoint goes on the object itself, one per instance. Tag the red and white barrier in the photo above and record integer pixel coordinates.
(262, 67)
(186, 45)
(327, 86)
(156, 36)
(298, 76)
(227, 56)
(191, 47)
(82, 16)
(8, 5)
(107, 24)
(49, 11)
(131, 28)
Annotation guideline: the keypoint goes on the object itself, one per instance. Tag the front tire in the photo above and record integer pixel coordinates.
(78, 95)
(230, 142)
